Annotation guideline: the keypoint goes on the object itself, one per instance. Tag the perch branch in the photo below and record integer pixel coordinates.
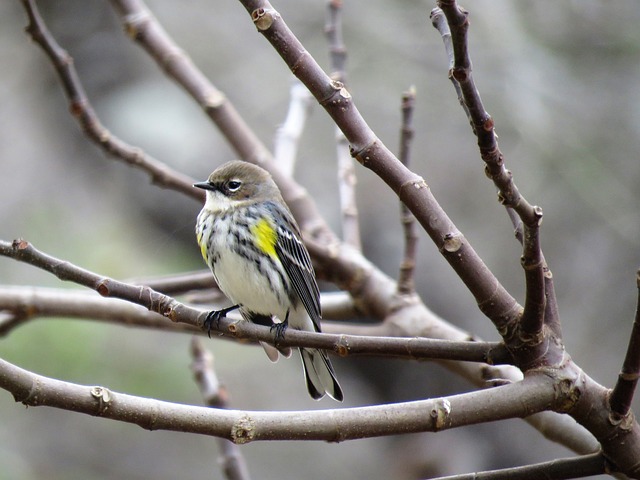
(168, 307)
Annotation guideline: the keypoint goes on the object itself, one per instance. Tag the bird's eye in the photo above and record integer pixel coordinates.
(233, 185)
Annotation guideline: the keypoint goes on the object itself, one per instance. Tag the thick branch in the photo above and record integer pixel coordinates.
(491, 296)
(514, 400)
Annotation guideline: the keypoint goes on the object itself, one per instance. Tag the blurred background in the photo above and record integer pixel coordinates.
(561, 81)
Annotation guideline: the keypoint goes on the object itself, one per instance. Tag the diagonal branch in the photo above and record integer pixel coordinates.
(454, 34)
(622, 394)
(83, 112)
(493, 299)
(141, 25)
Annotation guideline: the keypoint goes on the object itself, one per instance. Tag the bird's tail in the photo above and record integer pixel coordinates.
(319, 374)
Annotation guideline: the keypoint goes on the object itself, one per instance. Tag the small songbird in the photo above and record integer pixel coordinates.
(252, 244)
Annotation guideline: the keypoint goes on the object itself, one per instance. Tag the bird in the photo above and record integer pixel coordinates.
(253, 246)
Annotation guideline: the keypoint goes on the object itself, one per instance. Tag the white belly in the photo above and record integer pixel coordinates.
(245, 285)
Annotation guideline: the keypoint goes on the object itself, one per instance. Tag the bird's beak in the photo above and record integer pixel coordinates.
(205, 185)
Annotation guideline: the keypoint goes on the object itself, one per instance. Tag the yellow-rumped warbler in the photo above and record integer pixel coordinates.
(252, 244)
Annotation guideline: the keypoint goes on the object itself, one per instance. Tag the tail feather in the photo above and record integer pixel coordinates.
(319, 374)
(273, 353)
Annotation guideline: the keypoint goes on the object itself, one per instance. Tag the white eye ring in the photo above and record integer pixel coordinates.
(233, 185)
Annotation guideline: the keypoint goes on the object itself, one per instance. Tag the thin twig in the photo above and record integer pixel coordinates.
(215, 395)
(454, 34)
(180, 283)
(560, 469)
(287, 137)
(622, 394)
(406, 284)
(168, 307)
(83, 112)
(346, 170)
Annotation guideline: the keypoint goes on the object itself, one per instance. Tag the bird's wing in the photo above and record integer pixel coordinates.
(297, 263)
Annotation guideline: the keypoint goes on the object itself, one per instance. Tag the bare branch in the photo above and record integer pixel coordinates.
(28, 303)
(168, 307)
(83, 112)
(533, 394)
(141, 25)
(454, 33)
(346, 171)
(288, 135)
(491, 296)
(405, 279)
(177, 284)
(215, 395)
(540, 305)
(622, 394)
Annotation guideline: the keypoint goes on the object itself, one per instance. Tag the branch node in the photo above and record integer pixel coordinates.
(452, 242)
(342, 346)
(103, 396)
(103, 288)
(20, 244)
(263, 18)
(133, 23)
(243, 430)
(440, 414)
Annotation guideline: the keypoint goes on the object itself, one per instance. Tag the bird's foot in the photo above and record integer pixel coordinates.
(214, 316)
(279, 328)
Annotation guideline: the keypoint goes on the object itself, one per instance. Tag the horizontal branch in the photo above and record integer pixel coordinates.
(30, 302)
(534, 394)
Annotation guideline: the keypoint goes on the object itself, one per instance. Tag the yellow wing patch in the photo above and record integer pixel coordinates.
(203, 247)
(265, 236)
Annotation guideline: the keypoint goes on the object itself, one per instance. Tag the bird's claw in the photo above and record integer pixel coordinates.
(214, 316)
(279, 328)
